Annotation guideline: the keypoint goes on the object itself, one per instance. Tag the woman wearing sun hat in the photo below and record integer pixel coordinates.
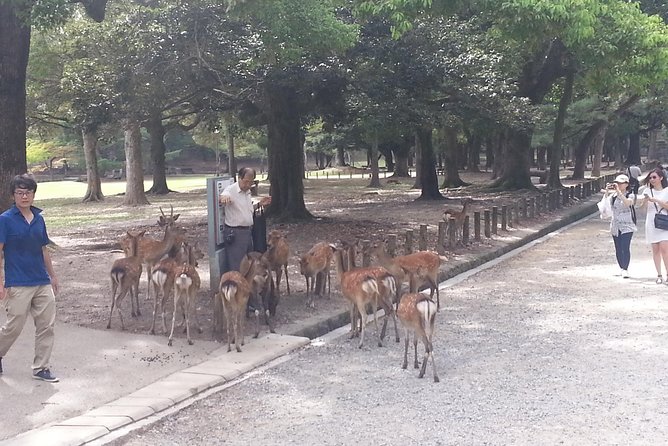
(656, 197)
(622, 224)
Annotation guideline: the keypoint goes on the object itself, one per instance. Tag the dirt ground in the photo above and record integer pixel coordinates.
(342, 210)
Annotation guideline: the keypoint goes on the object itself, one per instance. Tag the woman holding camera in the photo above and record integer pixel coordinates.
(622, 224)
(656, 197)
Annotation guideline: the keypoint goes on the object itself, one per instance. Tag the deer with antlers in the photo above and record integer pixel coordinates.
(151, 251)
(314, 266)
(417, 314)
(125, 274)
(420, 267)
(278, 252)
(186, 285)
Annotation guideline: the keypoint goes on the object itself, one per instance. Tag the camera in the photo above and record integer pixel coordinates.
(610, 186)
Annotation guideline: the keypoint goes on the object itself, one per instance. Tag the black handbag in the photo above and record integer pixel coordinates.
(660, 220)
(259, 231)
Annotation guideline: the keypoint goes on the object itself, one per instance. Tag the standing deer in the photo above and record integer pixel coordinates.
(360, 288)
(277, 255)
(458, 216)
(315, 265)
(125, 274)
(417, 313)
(255, 269)
(151, 251)
(421, 267)
(186, 285)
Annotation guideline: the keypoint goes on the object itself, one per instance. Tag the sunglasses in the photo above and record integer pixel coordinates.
(654, 177)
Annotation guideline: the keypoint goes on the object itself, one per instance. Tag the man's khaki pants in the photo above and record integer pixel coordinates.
(40, 302)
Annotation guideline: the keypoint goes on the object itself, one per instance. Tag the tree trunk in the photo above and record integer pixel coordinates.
(231, 157)
(157, 132)
(451, 154)
(418, 162)
(516, 164)
(340, 157)
(375, 178)
(633, 155)
(427, 167)
(401, 165)
(134, 187)
(582, 149)
(285, 154)
(14, 51)
(651, 151)
(473, 160)
(94, 191)
(553, 178)
(598, 142)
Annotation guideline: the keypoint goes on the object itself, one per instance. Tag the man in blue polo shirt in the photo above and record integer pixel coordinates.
(28, 284)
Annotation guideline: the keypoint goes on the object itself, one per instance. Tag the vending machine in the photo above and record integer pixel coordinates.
(216, 222)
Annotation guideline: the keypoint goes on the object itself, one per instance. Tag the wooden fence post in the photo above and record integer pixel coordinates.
(465, 231)
(495, 220)
(440, 244)
(504, 217)
(422, 242)
(366, 256)
(392, 244)
(408, 247)
(476, 225)
(488, 223)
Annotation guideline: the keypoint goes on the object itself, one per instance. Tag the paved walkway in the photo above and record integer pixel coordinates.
(111, 379)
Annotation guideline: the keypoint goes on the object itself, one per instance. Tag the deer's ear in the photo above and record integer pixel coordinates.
(176, 217)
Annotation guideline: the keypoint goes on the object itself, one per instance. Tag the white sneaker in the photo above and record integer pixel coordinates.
(625, 274)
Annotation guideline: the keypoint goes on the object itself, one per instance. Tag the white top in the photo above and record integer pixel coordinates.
(239, 212)
(652, 234)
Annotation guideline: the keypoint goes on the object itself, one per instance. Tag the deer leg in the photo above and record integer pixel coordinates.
(415, 343)
(353, 320)
(121, 295)
(155, 311)
(114, 287)
(279, 273)
(237, 323)
(361, 308)
(134, 309)
(405, 364)
(434, 288)
(148, 280)
(163, 304)
(228, 322)
(176, 305)
(375, 323)
(187, 309)
(287, 281)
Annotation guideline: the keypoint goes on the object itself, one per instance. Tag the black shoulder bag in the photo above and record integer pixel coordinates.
(259, 231)
(660, 220)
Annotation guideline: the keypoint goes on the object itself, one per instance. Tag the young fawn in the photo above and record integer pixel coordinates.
(277, 255)
(360, 289)
(421, 267)
(417, 314)
(125, 274)
(186, 286)
(255, 269)
(387, 288)
(314, 265)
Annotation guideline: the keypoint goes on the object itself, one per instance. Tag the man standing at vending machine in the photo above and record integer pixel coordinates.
(239, 209)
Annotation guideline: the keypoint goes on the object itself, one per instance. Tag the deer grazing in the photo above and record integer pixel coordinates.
(255, 269)
(417, 313)
(360, 289)
(387, 289)
(458, 216)
(186, 285)
(125, 274)
(151, 251)
(277, 255)
(421, 267)
(314, 266)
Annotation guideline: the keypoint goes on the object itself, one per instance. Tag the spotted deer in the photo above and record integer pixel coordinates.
(186, 286)
(125, 274)
(417, 314)
(315, 266)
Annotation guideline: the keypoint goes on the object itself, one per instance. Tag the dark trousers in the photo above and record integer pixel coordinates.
(235, 250)
(623, 249)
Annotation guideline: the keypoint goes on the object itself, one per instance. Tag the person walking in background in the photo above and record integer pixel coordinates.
(239, 209)
(29, 283)
(623, 222)
(656, 198)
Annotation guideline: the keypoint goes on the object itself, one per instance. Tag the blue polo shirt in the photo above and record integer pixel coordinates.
(23, 243)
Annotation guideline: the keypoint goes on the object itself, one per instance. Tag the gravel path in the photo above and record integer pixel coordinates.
(546, 348)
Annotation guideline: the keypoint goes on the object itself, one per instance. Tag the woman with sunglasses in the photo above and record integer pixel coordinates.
(656, 198)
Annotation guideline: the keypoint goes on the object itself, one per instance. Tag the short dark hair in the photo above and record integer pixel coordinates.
(244, 170)
(23, 181)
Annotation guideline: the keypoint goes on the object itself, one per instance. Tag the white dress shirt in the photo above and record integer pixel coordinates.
(239, 212)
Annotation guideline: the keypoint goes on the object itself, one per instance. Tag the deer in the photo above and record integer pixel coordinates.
(162, 277)
(420, 267)
(383, 258)
(277, 255)
(458, 216)
(151, 251)
(387, 287)
(359, 288)
(125, 274)
(263, 298)
(314, 265)
(417, 314)
(186, 286)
